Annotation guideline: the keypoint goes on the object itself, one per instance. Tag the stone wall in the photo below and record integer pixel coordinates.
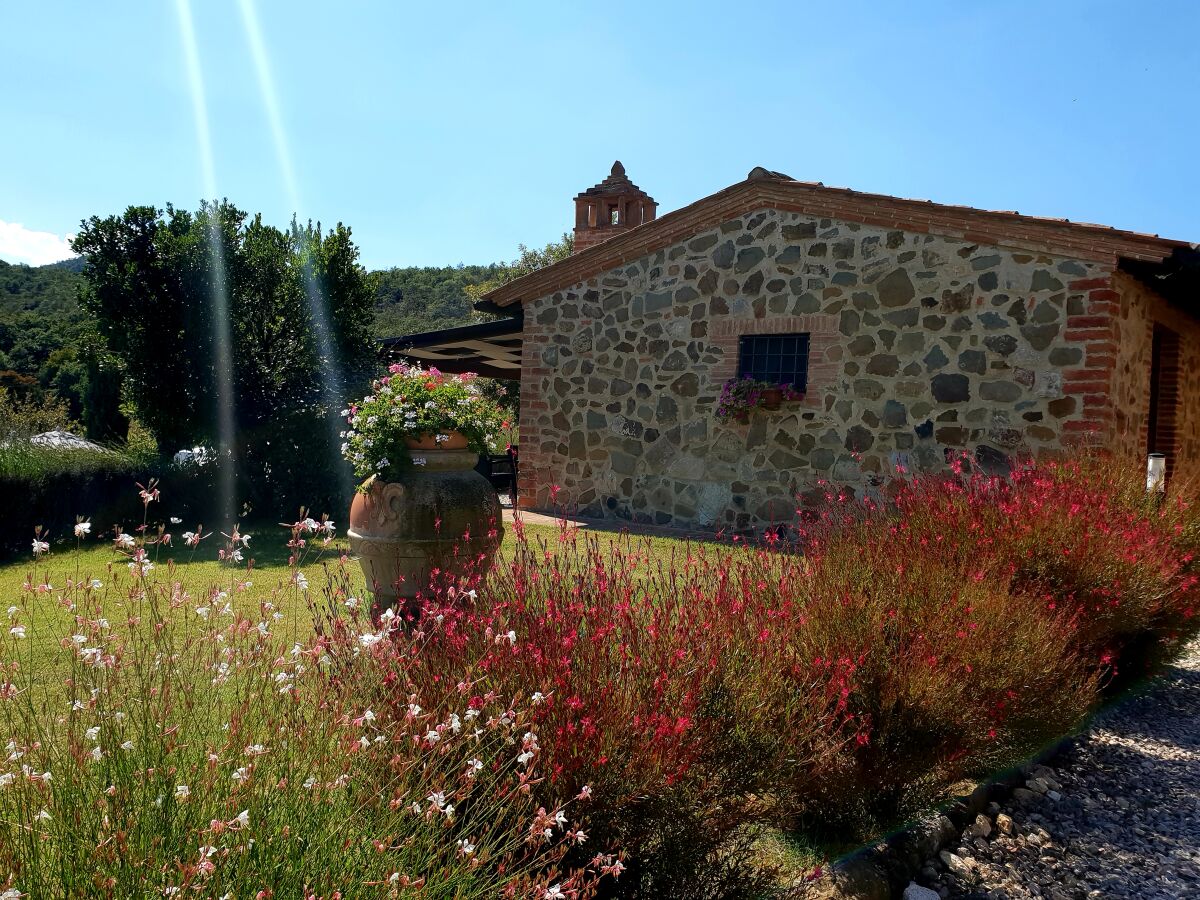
(922, 347)
(1140, 308)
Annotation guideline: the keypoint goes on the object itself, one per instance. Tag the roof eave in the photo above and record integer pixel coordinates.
(770, 190)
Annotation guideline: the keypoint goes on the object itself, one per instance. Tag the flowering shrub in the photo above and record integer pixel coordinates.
(679, 700)
(740, 396)
(162, 743)
(945, 633)
(411, 403)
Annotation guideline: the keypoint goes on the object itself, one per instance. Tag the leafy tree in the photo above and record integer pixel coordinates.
(154, 282)
(529, 260)
(22, 418)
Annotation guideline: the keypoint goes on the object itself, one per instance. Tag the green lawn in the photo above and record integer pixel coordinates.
(183, 580)
(188, 577)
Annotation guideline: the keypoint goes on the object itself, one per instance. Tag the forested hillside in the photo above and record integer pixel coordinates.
(44, 336)
(42, 331)
(426, 298)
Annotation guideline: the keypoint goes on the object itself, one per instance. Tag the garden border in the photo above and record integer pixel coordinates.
(883, 870)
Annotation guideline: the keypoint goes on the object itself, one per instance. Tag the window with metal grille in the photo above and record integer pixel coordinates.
(774, 358)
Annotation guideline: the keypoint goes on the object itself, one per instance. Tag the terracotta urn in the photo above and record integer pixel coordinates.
(400, 530)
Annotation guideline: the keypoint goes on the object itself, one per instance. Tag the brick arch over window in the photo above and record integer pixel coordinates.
(824, 349)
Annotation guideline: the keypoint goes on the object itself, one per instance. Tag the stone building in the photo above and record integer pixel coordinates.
(917, 332)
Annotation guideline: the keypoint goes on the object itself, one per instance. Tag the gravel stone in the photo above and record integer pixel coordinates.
(1117, 816)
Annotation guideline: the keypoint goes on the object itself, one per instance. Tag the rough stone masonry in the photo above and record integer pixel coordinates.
(922, 348)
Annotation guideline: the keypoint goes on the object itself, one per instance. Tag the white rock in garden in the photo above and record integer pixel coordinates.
(914, 891)
(196, 456)
(64, 440)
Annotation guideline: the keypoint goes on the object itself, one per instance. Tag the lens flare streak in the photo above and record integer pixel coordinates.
(222, 337)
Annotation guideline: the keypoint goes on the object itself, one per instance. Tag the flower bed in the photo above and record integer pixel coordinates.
(667, 705)
(411, 403)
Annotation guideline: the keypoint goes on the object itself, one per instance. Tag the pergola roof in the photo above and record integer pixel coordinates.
(492, 349)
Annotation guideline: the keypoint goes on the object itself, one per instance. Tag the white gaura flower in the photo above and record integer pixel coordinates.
(175, 520)
(182, 792)
(240, 774)
(537, 697)
(40, 547)
(255, 750)
(125, 540)
(241, 820)
(301, 581)
(95, 584)
(554, 892)
(465, 847)
(82, 529)
(524, 757)
(17, 631)
(366, 640)
(95, 657)
(474, 766)
(512, 637)
(128, 745)
(310, 782)
(97, 754)
(92, 733)
(44, 816)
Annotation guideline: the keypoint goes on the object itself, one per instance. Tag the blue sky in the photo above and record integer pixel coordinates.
(451, 132)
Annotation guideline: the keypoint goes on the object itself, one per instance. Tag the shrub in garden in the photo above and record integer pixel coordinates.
(917, 642)
(53, 484)
(680, 699)
(176, 744)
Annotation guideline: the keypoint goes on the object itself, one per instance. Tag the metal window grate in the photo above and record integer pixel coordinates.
(774, 358)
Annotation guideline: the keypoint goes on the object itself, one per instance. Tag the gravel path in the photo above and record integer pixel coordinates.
(1118, 816)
